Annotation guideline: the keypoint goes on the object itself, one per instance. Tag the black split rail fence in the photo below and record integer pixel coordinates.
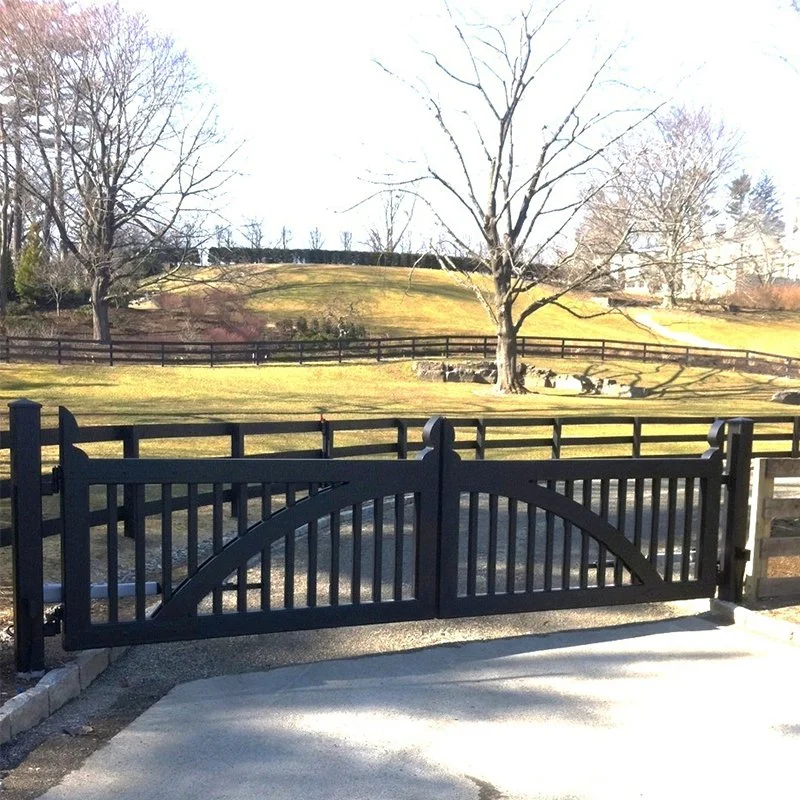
(211, 354)
(391, 437)
(621, 444)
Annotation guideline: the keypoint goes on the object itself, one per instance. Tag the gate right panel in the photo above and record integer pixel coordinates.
(537, 535)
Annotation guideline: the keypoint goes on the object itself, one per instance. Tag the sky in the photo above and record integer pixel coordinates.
(319, 121)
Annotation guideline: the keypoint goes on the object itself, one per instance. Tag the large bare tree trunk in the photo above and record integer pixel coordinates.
(101, 326)
(508, 380)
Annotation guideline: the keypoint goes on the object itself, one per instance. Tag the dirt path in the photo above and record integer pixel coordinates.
(684, 337)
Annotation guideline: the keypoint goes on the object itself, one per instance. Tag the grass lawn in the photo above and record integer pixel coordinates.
(393, 301)
(155, 394)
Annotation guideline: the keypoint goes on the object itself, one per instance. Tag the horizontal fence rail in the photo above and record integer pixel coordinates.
(478, 438)
(211, 354)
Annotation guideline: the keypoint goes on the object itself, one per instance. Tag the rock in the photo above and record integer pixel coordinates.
(789, 396)
(429, 370)
(78, 730)
(579, 384)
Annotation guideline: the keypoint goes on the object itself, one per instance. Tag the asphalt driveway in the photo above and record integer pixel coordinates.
(674, 708)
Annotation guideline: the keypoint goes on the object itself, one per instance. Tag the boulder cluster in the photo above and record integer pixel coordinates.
(486, 372)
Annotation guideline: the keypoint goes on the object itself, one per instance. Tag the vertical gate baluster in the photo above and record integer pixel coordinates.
(335, 545)
(472, 544)
(566, 561)
(622, 498)
(266, 552)
(313, 553)
(377, 530)
(511, 554)
(140, 567)
(530, 556)
(216, 541)
(550, 529)
(289, 554)
(688, 516)
(166, 542)
(602, 552)
(655, 520)
(584, 566)
(491, 559)
(672, 504)
(112, 552)
(399, 526)
(355, 586)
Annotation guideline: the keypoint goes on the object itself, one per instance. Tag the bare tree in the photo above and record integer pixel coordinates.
(521, 129)
(397, 211)
(663, 186)
(315, 239)
(285, 238)
(346, 238)
(119, 145)
(223, 235)
(253, 232)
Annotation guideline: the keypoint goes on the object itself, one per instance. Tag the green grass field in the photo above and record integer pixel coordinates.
(393, 301)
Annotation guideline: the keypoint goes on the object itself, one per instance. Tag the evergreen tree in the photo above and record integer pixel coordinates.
(27, 279)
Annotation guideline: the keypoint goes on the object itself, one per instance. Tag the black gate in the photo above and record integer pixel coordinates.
(236, 546)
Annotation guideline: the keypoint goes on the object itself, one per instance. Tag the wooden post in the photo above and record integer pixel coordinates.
(556, 446)
(133, 494)
(759, 529)
(25, 426)
(402, 439)
(480, 439)
(637, 438)
(237, 451)
(735, 553)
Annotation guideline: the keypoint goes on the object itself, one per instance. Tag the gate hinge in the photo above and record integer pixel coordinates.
(741, 554)
(52, 621)
(56, 480)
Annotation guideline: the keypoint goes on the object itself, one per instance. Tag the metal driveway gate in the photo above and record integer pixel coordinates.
(251, 545)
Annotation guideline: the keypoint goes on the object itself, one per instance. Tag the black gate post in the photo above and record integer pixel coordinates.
(439, 437)
(735, 555)
(25, 426)
(133, 495)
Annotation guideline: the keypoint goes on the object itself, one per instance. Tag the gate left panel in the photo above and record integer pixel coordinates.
(222, 547)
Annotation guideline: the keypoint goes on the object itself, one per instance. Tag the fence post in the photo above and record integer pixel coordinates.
(555, 451)
(59, 352)
(447, 347)
(759, 528)
(327, 438)
(637, 438)
(163, 354)
(25, 426)
(480, 439)
(402, 439)
(796, 438)
(133, 494)
(735, 553)
(111, 354)
(237, 451)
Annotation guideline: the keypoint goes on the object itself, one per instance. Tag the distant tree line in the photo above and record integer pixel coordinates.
(360, 258)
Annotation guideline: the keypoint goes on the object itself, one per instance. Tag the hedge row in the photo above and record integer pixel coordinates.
(278, 255)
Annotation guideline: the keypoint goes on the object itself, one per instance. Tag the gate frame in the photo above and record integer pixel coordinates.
(28, 485)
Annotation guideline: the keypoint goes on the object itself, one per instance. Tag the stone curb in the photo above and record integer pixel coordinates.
(756, 621)
(56, 688)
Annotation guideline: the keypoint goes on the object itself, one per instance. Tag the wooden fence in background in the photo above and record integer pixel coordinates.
(214, 354)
